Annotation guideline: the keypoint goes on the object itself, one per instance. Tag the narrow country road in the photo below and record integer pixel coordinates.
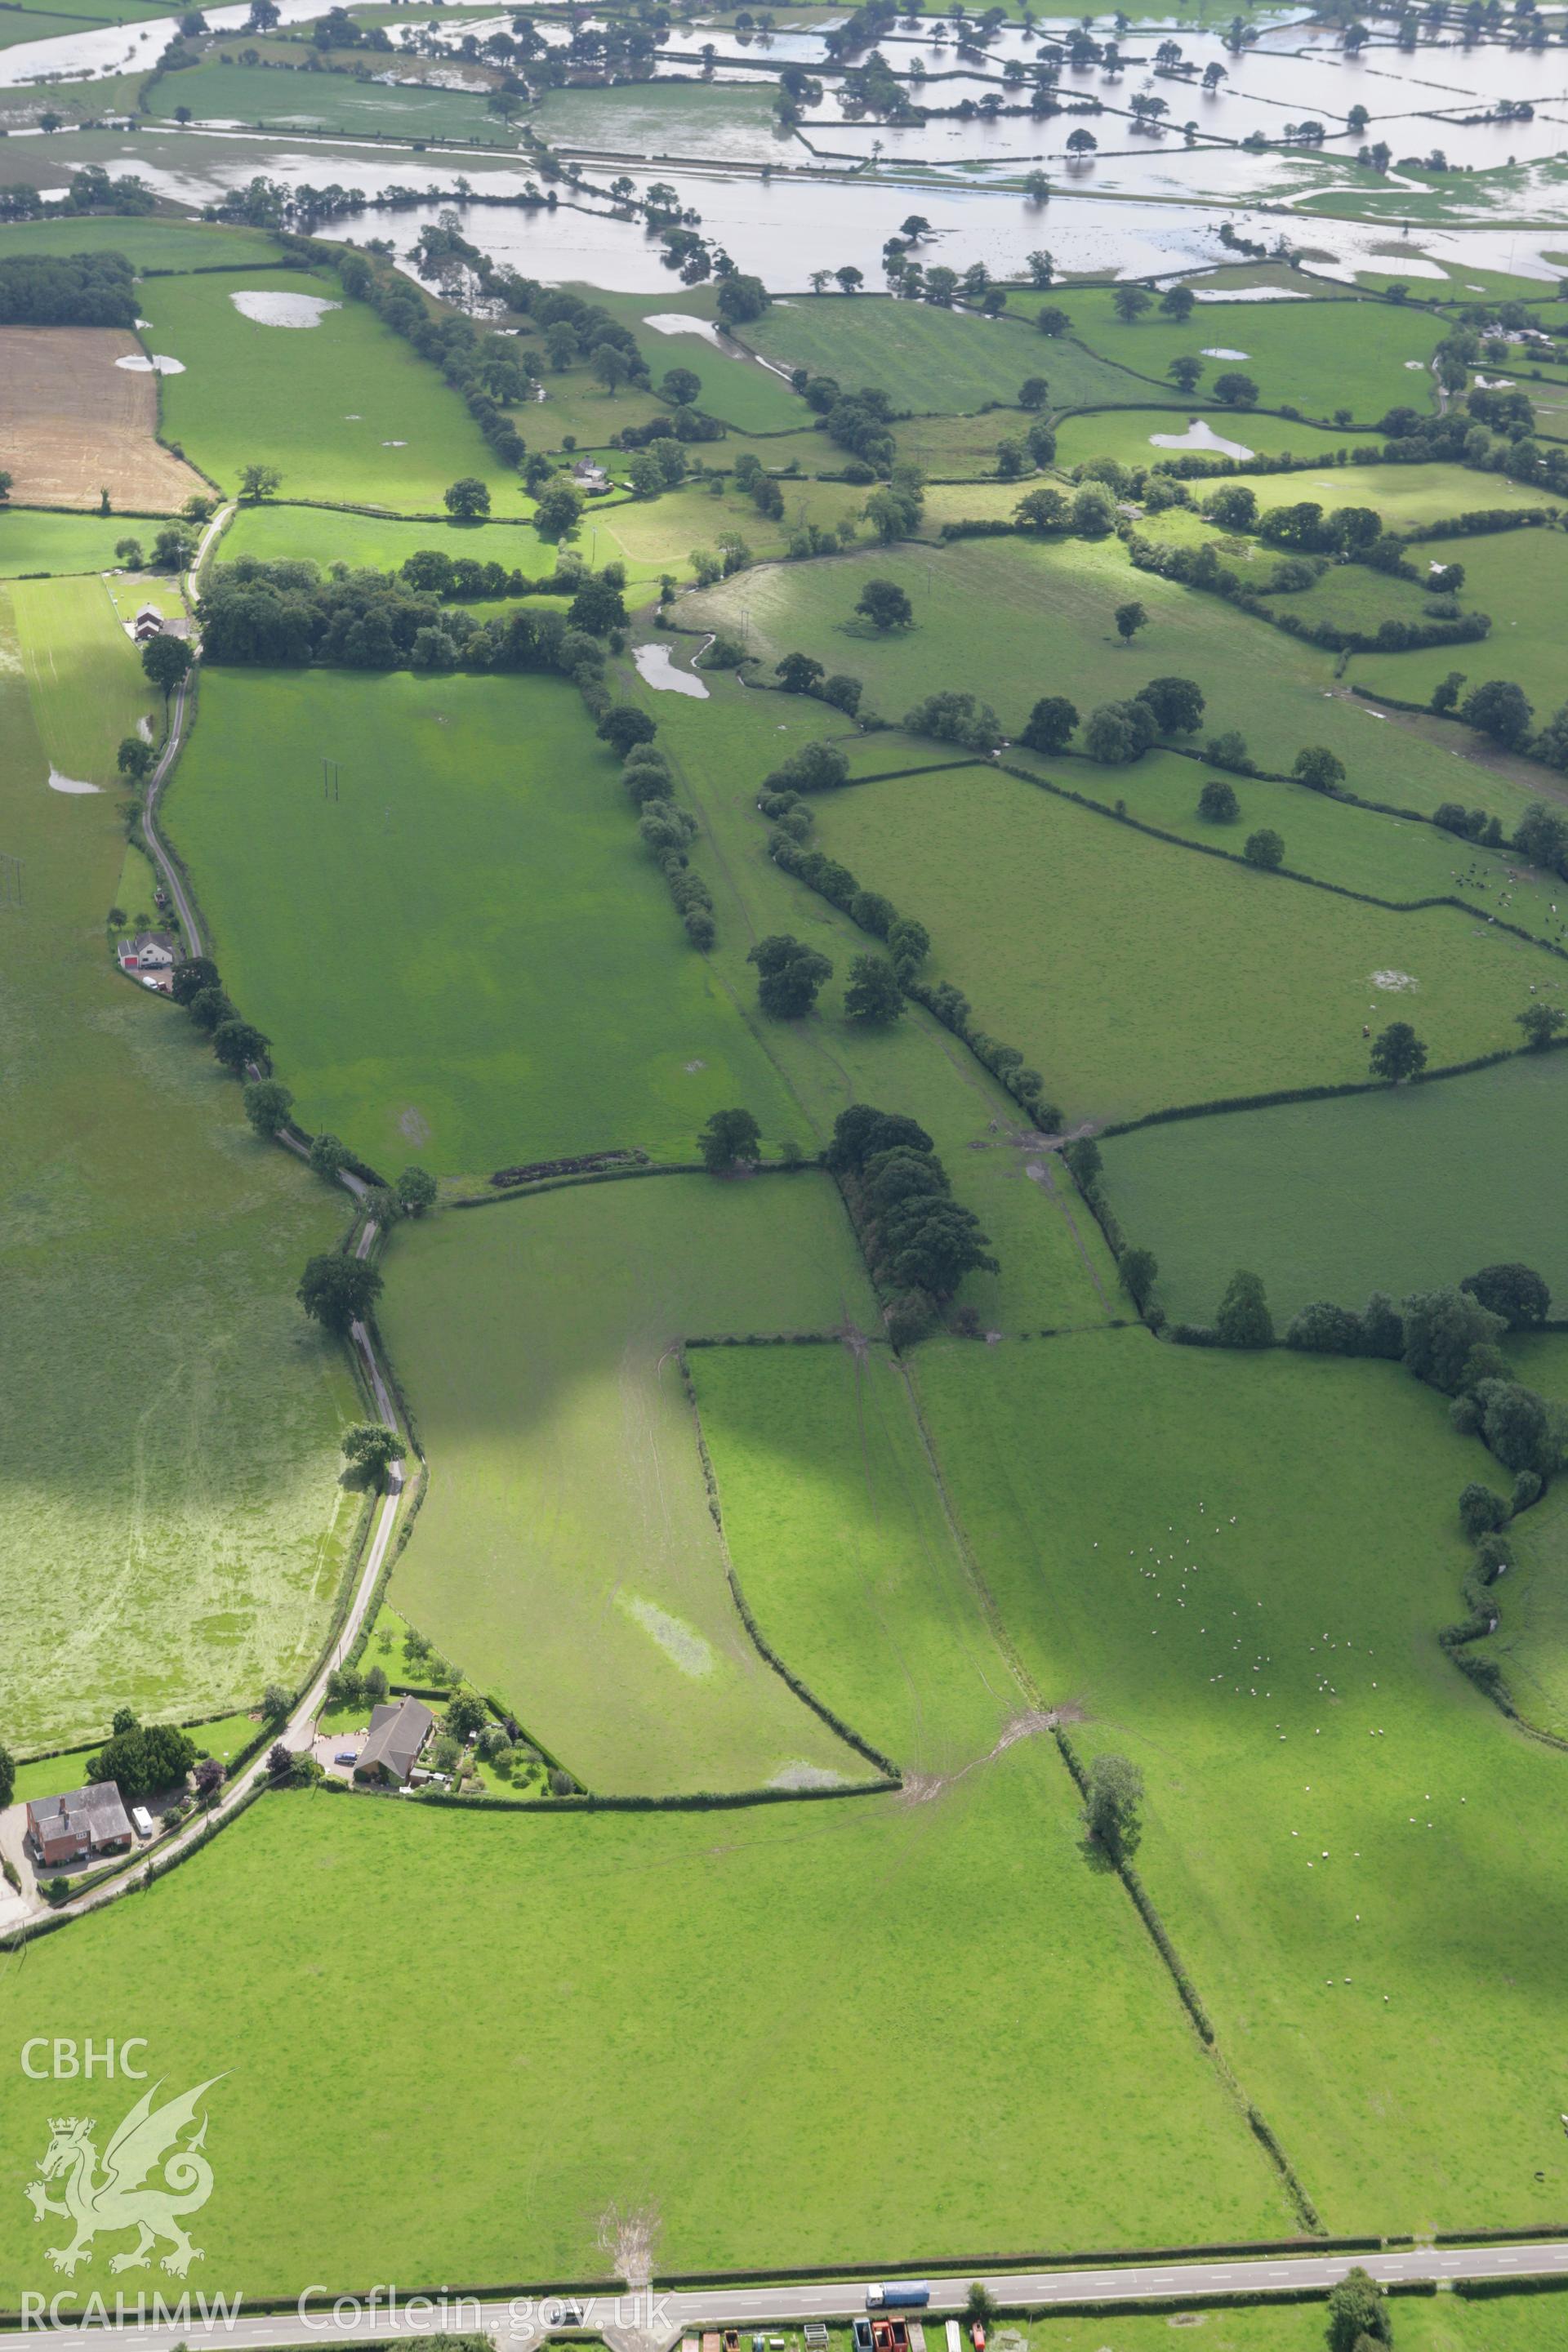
(295, 1729)
(655, 2319)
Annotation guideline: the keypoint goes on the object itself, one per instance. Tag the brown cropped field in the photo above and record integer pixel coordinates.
(74, 424)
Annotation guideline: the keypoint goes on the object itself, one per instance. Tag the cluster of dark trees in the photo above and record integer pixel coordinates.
(90, 190)
(67, 289)
(143, 1758)
(854, 421)
(667, 829)
(919, 1241)
(1115, 733)
(287, 614)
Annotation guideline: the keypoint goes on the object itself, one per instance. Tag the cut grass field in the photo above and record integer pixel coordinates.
(343, 409)
(1064, 928)
(189, 1552)
(1521, 578)
(776, 1965)
(1376, 1945)
(270, 97)
(1395, 1191)
(933, 362)
(33, 543)
(1014, 618)
(1364, 356)
(467, 961)
(565, 1549)
(85, 682)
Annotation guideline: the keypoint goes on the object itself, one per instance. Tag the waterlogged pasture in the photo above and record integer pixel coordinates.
(464, 958)
(343, 409)
(567, 1548)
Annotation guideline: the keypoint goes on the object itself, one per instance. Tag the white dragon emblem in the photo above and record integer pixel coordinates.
(116, 2198)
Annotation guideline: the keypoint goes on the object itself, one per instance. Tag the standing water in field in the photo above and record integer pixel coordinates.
(655, 668)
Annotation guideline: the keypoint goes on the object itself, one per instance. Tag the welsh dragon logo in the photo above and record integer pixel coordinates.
(115, 2198)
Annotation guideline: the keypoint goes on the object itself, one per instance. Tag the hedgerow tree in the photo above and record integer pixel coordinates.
(1442, 1329)
(1111, 1806)
(370, 1447)
(1217, 801)
(1357, 2310)
(1515, 1292)
(789, 975)
(1177, 703)
(415, 1189)
(1318, 769)
(259, 481)
(1244, 1320)
(267, 1104)
(337, 1291)
(1264, 848)
(730, 1138)
(873, 992)
(1482, 1510)
(166, 660)
(1397, 1054)
(1050, 724)
(134, 759)
(238, 1044)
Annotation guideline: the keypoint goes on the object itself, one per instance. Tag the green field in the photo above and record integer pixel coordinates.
(1382, 1192)
(1169, 1531)
(1521, 578)
(325, 535)
(1363, 356)
(1056, 1270)
(656, 535)
(1130, 435)
(930, 361)
(194, 1541)
(768, 1966)
(85, 683)
(328, 405)
(276, 98)
(565, 1548)
(735, 387)
(1014, 618)
(1394, 858)
(147, 245)
(468, 959)
(837, 1534)
(1064, 928)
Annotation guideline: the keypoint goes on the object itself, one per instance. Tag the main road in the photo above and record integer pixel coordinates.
(654, 2318)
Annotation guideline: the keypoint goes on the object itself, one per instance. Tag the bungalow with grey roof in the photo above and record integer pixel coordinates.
(398, 1730)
